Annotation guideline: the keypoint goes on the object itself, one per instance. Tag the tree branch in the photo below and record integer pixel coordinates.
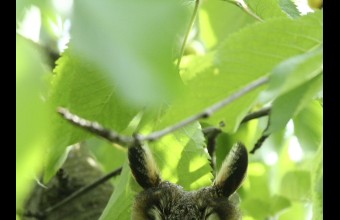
(82, 191)
(114, 137)
(95, 128)
(206, 112)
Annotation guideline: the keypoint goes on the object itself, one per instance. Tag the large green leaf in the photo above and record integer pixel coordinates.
(244, 57)
(31, 117)
(132, 42)
(308, 126)
(288, 105)
(83, 89)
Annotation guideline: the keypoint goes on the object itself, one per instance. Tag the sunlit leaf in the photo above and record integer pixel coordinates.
(244, 57)
(217, 21)
(182, 159)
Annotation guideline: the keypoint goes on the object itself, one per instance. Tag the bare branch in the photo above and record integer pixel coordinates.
(206, 112)
(114, 137)
(95, 128)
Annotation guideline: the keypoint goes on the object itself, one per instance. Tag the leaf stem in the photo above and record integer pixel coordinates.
(241, 4)
(186, 37)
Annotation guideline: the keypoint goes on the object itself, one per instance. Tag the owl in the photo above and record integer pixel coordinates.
(163, 200)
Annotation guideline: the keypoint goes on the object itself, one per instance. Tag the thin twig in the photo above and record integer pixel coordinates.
(241, 4)
(82, 191)
(186, 37)
(206, 112)
(95, 128)
(258, 114)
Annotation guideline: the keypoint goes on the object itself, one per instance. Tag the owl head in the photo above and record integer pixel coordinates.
(163, 200)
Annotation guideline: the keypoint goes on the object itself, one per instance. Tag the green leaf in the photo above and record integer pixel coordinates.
(307, 126)
(317, 185)
(31, 117)
(108, 155)
(290, 8)
(132, 48)
(257, 208)
(244, 57)
(277, 204)
(182, 159)
(120, 203)
(288, 105)
(296, 211)
(85, 91)
(217, 21)
(296, 185)
(294, 72)
(266, 9)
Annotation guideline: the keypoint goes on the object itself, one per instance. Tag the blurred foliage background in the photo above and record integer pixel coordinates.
(115, 62)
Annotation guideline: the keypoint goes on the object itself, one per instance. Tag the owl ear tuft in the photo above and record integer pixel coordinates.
(143, 166)
(233, 170)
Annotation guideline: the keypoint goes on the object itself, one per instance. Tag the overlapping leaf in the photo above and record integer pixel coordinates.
(244, 57)
(86, 92)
